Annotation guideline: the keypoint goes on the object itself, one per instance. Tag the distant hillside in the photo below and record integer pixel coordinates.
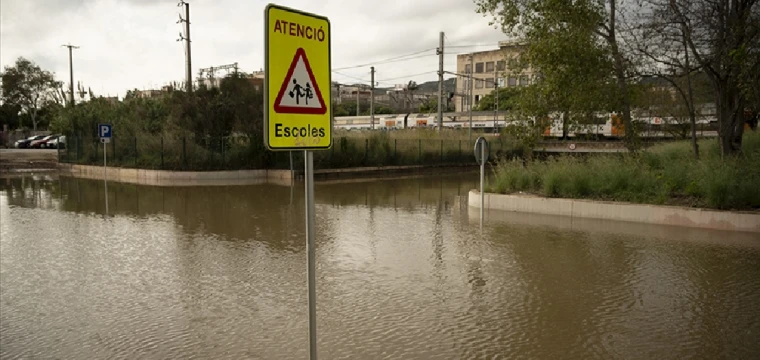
(432, 86)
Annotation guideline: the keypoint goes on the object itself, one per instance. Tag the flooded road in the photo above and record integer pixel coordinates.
(403, 272)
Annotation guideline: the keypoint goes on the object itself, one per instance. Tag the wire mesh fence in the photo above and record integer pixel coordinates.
(242, 153)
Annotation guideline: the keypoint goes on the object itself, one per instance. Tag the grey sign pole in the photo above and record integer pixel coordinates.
(482, 182)
(310, 271)
(105, 172)
(481, 156)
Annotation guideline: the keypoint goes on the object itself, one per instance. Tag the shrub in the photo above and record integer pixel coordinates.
(666, 173)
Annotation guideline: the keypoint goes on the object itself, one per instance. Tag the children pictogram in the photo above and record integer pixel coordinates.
(301, 89)
(297, 94)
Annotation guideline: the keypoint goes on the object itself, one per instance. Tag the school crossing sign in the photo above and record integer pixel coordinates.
(297, 112)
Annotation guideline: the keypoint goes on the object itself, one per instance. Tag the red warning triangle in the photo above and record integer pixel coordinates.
(299, 93)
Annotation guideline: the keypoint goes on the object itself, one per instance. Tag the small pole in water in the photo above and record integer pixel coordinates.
(311, 269)
(481, 156)
(482, 182)
(105, 173)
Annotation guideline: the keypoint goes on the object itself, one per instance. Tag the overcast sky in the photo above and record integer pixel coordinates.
(127, 44)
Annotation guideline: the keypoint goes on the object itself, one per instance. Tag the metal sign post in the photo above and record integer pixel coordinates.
(104, 132)
(481, 156)
(296, 115)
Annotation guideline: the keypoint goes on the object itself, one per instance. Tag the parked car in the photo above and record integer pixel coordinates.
(57, 143)
(24, 143)
(40, 144)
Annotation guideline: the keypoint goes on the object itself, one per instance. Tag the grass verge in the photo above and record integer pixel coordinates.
(664, 174)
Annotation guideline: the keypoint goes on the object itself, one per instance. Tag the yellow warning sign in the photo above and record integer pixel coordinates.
(297, 98)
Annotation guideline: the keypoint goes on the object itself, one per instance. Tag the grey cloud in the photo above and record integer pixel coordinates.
(132, 43)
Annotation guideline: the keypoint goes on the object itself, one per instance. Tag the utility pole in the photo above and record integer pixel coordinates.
(71, 74)
(495, 99)
(372, 98)
(470, 97)
(440, 81)
(188, 56)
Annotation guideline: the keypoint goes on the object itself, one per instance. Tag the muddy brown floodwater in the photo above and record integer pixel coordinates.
(403, 272)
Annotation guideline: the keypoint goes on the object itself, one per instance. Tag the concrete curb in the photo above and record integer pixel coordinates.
(640, 213)
(177, 178)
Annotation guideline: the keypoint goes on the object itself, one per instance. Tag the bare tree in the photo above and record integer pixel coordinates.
(723, 38)
(660, 38)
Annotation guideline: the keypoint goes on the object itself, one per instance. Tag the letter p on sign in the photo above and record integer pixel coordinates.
(104, 131)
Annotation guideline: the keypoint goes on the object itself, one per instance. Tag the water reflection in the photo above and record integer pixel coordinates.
(403, 272)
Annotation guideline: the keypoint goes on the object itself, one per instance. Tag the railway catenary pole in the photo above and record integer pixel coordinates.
(469, 98)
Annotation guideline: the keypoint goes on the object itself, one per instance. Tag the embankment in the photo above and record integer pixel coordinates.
(241, 177)
(619, 211)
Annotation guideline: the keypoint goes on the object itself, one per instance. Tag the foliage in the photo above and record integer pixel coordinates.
(507, 98)
(236, 106)
(29, 87)
(573, 47)
(236, 152)
(664, 174)
(348, 108)
(9, 115)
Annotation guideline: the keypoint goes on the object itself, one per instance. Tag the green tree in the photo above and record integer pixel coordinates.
(506, 100)
(573, 45)
(9, 115)
(25, 84)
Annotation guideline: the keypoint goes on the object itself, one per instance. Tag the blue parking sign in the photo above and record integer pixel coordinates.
(104, 131)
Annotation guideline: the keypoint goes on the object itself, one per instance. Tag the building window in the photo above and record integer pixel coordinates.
(466, 84)
(524, 80)
(477, 99)
(500, 65)
(500, 81)
(467, 69)
(489, 83)
(479, 68)
(478, 84)
(512, 81)
(489, 66)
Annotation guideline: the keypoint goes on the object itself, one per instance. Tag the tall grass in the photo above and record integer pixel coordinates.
(663, 174)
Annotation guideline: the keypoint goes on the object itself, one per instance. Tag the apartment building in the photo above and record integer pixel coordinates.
(490, 69)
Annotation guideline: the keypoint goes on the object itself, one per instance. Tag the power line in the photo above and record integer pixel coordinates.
(349, 76)
(390, 60)
(471, 45)
(407, 76)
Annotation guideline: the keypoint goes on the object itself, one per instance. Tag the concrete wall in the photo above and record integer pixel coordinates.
(651, 214)
(178, 178)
